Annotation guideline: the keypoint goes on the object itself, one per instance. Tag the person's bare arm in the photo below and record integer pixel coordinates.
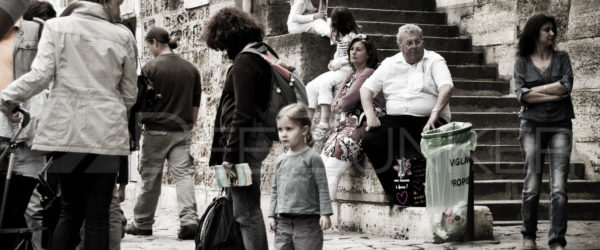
(537, 97)
(445, 92)
(366, 98)
(555, 88)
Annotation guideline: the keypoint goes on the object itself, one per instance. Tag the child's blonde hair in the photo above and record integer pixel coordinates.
(298, 113)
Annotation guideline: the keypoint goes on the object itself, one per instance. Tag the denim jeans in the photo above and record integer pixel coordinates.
(537, 140)
(246, 200)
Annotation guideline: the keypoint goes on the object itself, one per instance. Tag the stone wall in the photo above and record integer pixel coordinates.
(494, 26)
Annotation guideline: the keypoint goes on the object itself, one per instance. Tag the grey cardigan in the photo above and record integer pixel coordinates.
(300, 185)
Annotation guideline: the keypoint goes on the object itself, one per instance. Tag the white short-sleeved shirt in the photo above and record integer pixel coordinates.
(411, 89)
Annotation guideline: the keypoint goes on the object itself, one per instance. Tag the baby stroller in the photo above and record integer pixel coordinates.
(23, 242)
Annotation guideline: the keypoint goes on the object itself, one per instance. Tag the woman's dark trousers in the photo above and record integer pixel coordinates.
(86, 194)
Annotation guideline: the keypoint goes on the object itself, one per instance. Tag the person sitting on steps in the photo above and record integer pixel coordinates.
(320, 89)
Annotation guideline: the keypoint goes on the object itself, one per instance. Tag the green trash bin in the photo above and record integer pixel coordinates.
(448, 177)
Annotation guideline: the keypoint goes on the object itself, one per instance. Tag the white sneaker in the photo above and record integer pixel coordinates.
(321, 131)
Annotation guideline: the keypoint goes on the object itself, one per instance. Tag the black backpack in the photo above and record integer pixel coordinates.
(217, 229)
(287, 88)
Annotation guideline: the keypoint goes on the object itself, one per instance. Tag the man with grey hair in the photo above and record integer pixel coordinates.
(416, 84)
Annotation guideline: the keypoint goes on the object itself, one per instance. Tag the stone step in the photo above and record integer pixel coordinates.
(452, 57)
(431, 43)
(473, 71)
(498, 136)
(388, 28)
(383, 4)
(484, 103)
(397, 16)
(488, 119)
(514, 170)
(497, 153)
(406, 223)
(511, 209)
(513, 189)
(466, 87)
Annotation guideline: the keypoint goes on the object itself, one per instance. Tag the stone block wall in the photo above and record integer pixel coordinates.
(494, 26)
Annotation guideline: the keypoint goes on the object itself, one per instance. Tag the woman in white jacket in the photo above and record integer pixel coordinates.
(308, 16)
(91, 62)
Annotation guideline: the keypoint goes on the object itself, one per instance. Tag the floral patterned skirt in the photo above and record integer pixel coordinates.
(344, 143)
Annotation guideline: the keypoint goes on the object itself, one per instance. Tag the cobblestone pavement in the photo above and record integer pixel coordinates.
(580, 235)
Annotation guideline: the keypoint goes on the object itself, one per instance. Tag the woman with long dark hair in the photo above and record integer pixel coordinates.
(343, 147)
(543, 83)
(91, 62)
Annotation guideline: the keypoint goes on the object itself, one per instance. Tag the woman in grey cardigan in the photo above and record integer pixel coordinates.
(543, 84)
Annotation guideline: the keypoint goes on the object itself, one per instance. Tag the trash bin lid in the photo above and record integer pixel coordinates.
(454, 132)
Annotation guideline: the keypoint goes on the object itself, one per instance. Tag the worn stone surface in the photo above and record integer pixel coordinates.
(411, 223)
(557, 8)
(455, 9)
(584, 19)
(451, 3)
(502, 55)
(586, 127)
(585, 58)
(360, 183)
(274, 14)
(309, 53)
(590, 151)
(492, 23)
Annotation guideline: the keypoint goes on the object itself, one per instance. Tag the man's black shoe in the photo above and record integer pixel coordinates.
(188, 232)
(130, 229)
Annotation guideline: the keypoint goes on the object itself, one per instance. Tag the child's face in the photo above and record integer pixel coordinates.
(290, 133)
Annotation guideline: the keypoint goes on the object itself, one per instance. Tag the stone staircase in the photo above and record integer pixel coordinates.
(479, 98)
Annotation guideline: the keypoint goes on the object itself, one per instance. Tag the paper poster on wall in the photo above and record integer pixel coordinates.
(188, 4)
